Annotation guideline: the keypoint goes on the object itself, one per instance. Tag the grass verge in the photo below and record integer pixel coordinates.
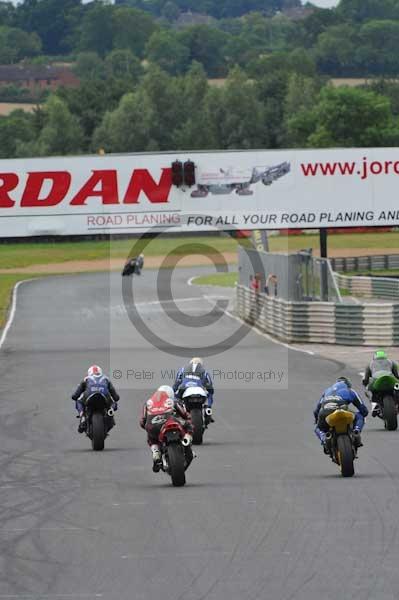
(379, 273)
(221, 279)
(26, 254)
(387, 241)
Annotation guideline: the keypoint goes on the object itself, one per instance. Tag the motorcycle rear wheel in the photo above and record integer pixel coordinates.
(176, 464)
(390, 413)
(98, 437)
(345, 455)
(198, 425)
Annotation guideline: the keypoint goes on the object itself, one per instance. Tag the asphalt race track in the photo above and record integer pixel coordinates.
(264, 515)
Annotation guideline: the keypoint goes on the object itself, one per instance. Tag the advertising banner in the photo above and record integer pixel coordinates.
(134, 193)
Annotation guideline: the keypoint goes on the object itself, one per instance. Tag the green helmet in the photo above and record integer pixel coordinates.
(380, 354)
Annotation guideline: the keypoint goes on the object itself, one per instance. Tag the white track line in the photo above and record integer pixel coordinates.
(261, 333)
(12, 312)
(269, 337)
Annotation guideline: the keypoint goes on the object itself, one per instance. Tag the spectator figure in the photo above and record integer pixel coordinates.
(271, 281)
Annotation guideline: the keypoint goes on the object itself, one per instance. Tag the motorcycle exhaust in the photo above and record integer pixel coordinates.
(110, 412)
(186, 441)
(328, 435)
(208, 411)
(396, 387)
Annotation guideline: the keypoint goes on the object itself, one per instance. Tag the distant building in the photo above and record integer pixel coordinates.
(37, 78)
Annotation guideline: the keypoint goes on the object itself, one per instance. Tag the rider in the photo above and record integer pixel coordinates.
(95, 382)
(139, 263)
(163, 404)
(195, 371)
(342, 393)
(380, 362)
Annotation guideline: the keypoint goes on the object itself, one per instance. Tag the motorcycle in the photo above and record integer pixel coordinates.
(175, 450)
(385, 390)
(340, 439)
(194, 398)
(131, 267)
(99, 419)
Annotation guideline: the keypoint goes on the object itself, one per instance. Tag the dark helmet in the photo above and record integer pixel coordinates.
(345, 380)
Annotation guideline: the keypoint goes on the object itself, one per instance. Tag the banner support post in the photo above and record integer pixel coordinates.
(324, 255)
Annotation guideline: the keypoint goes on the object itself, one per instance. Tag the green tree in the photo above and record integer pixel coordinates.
(195, 130)
(301, 97)
(17, 127)
(123, 64)
(364, 10)
(61, 134)
(335, 50)
(165, 50)
(243, 113)
(91, 100)
(206, 46)
(319, 21)
(49, 19)
(170, 11)
(89, 65)
(352, 117)
(127, 128)
(378, 50)
(96, 29)
(16, 45)
(162, 94)
(132, 29)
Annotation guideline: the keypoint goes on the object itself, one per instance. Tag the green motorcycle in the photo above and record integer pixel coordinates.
(385, 389)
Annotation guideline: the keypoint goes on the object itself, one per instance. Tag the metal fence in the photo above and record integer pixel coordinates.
(362, 263)
(292, 277)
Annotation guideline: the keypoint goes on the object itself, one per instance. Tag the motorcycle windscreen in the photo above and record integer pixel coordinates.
(340, 420)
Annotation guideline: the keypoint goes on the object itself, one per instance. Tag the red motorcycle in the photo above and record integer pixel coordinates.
(176, 450)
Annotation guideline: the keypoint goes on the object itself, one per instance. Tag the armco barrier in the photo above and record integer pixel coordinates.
(362, 263)
(320, 322)
(369, 287)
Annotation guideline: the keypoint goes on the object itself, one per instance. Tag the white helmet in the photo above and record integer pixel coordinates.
(196, 361)
(94, 371)
(167, 389)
